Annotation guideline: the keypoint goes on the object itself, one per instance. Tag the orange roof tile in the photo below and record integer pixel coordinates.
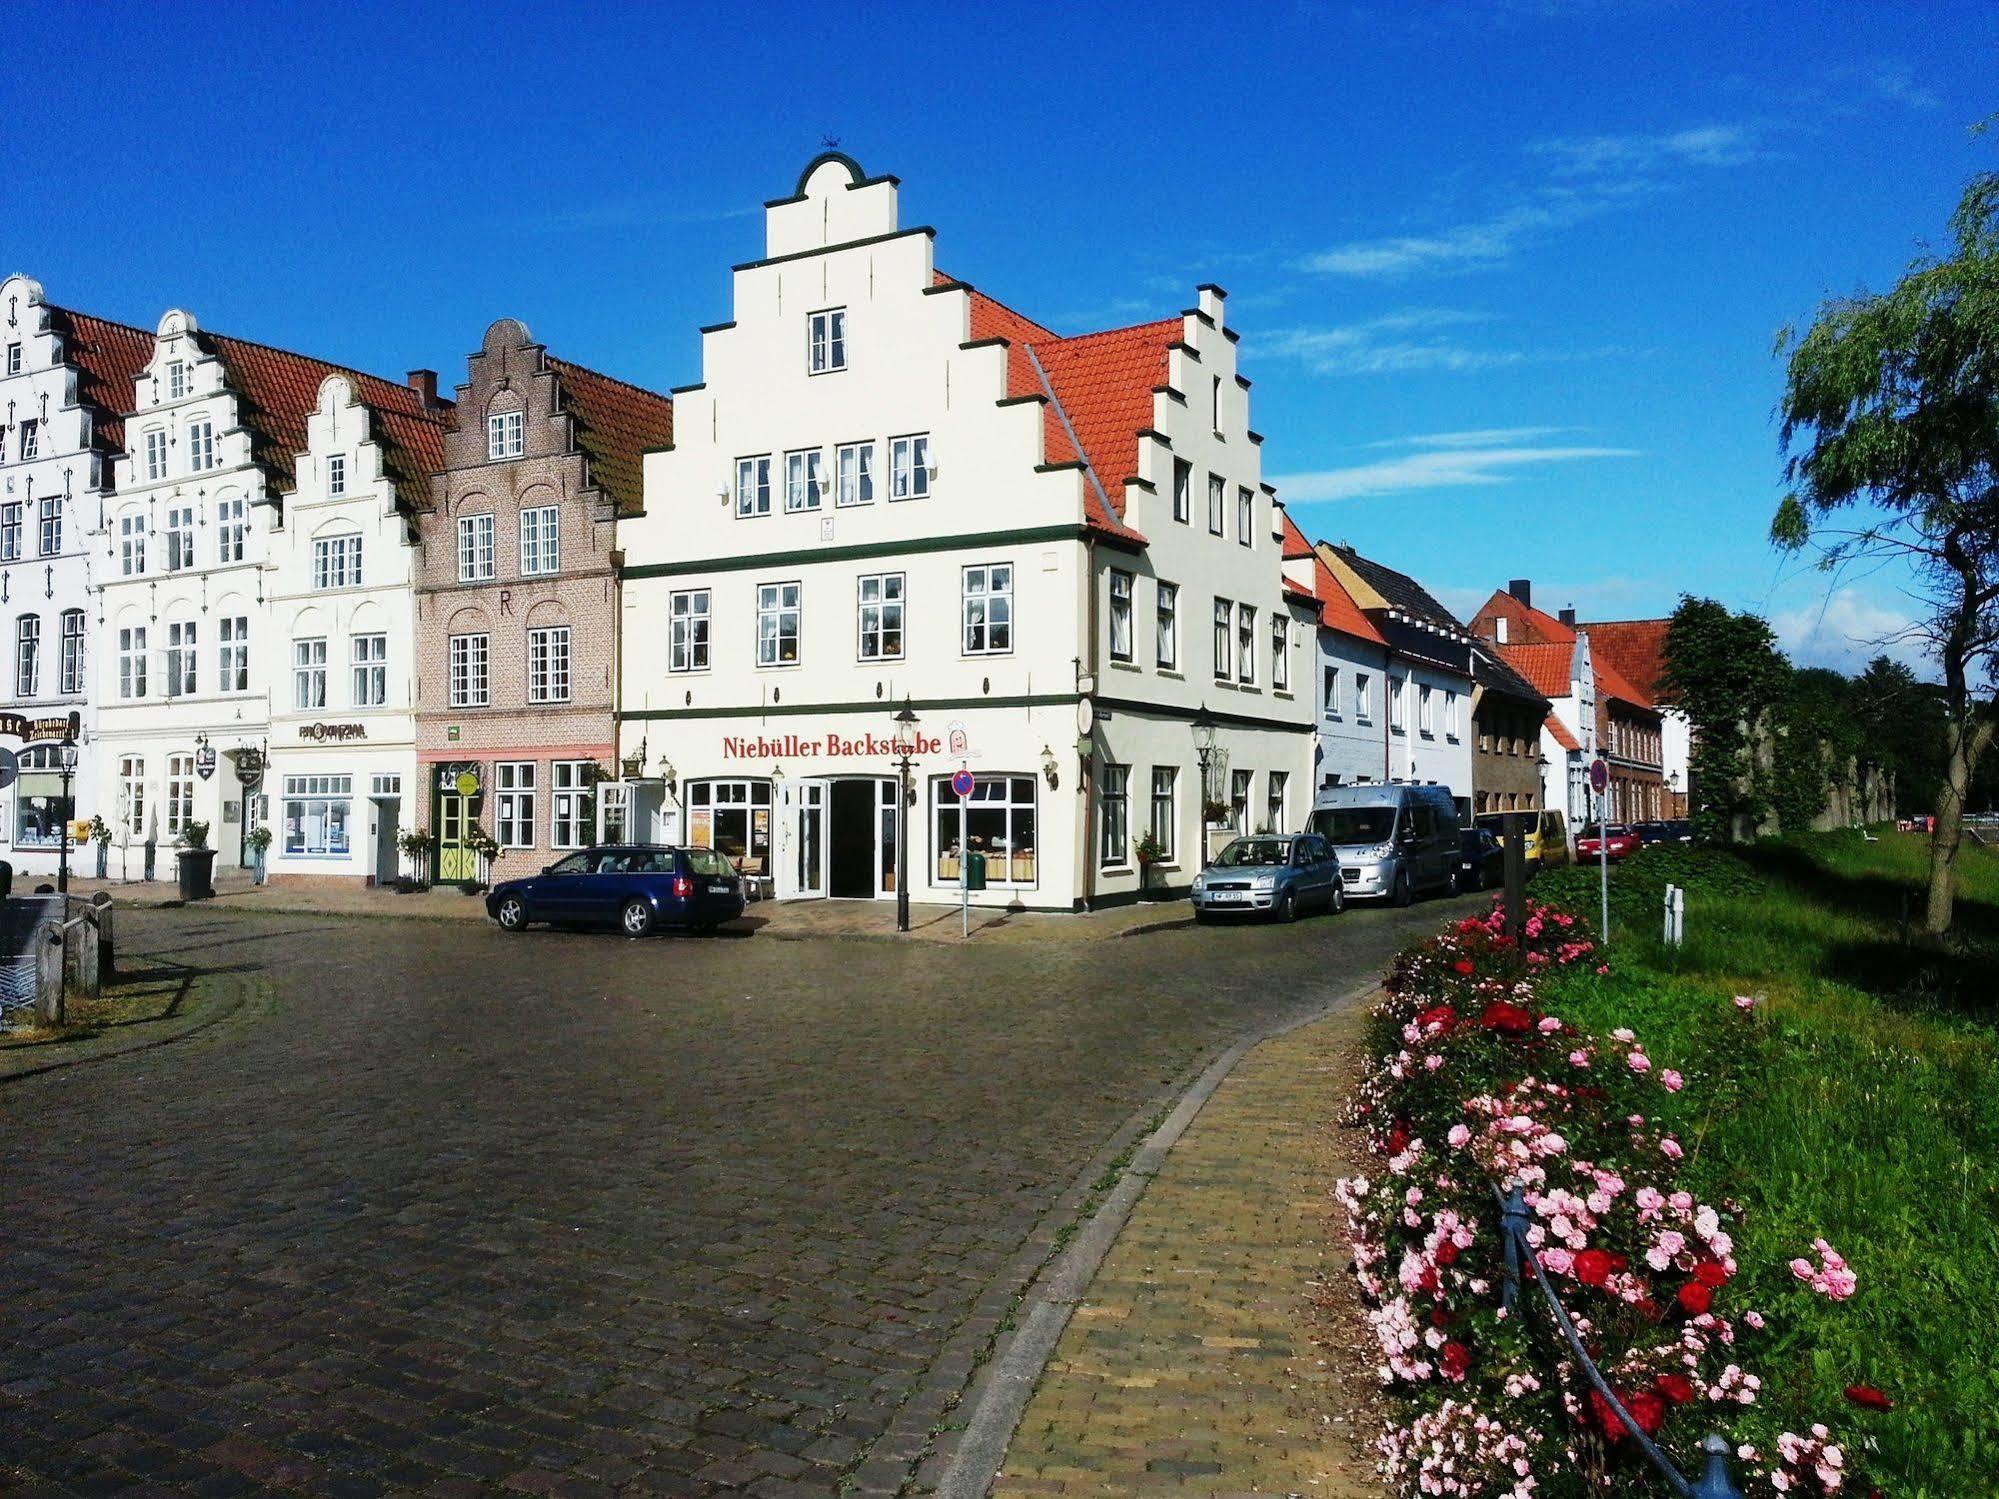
(1562, 735)
(110, 357)
(1338, 609)
(1525, 625)
(1636, 647)
(1544, 664)
(1610, 682)
(615, 423)
(1105, 383)
(1295, 544)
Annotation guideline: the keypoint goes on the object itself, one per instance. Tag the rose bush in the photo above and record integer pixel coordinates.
(1473, 1087)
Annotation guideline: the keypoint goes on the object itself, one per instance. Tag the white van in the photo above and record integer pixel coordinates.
(1394, 842)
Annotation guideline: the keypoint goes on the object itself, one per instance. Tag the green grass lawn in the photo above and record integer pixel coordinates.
(1859, 1101)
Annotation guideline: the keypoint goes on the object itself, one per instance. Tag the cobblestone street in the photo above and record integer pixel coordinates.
(461, 1213)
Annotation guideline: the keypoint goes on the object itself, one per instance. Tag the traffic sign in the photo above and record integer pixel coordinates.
(1599, 775)
(961, 783)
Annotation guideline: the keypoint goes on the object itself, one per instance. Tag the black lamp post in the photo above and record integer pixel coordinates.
(1204, 751)
(905, 741)
(66, 760)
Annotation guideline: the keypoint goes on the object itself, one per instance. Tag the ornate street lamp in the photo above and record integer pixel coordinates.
(905, 743)
(1204, 751)
(66, 760)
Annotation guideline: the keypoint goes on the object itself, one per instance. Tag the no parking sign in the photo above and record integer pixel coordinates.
(961, 783)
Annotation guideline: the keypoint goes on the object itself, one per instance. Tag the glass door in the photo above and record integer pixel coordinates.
(804, 866)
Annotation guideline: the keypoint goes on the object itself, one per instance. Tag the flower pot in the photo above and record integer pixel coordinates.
(197, 873)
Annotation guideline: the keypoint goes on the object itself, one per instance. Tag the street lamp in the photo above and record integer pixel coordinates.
(66, 760)
(1204, 751)
(905, 742)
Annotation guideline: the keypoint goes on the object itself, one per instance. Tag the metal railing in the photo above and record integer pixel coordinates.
(1716, 1481)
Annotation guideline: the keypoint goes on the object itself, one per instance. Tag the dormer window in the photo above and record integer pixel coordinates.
(506, 434)
(826, 341)
(176, 379)
(336, 475)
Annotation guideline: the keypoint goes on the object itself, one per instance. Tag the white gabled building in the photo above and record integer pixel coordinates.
(342, 768)
(190, 654)
(891, 488)
(65, 382)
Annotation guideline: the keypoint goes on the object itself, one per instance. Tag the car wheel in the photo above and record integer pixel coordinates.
(1200, 917)
(512, 914)
(1287, 906)
(1402, 895)
(1339, 901)
(636, 918)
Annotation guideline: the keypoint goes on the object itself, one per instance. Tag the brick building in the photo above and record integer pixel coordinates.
(1507, 716)
(517, 602)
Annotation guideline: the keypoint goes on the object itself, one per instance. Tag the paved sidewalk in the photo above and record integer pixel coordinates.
(780, 919)
(1193, 1365)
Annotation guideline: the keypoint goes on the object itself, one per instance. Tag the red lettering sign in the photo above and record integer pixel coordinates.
(809, 747)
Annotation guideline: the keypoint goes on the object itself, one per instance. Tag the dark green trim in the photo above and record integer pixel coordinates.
(718, 327)
(1156, 435)
(1056, 468)
(1167, 390)
(1021, 400)
(1027, 537)
(1243, 381)
(1186, 348)
(1170, 710)
(852, 244)
(792, 710)
(1176, 896)
(668, 448)
(681, 390)
(1213, 287)
(986, 343)
(943, 286)
(1196, 312)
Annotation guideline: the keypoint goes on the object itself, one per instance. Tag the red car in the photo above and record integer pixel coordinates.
(1623, 842)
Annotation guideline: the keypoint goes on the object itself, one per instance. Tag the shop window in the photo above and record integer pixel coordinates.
(854, 474)
(233, 657)
(230, 524)
(317, 812)
(180, 794)
(572, 806)
(1165, 820)
(513, 803)
(988, 609)
(1166, 627)
(40, 808)
(1114, 815)
(880, 617)
(753, 486)
(826, 341)
(548, 665)
(475, 547)
(777, 624)
(997, 820)
(541, 548)
(1121, 648)
(688, 623)
(733, 818)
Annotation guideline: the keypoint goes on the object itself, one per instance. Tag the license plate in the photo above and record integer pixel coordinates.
(721, 889)
(1228, 895)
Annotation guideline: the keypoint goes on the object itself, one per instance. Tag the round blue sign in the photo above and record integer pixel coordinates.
(961, 783)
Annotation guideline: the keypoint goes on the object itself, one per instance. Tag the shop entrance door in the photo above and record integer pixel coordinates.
(803, 863)
(851, 863)
(388, 813)
(455, 860)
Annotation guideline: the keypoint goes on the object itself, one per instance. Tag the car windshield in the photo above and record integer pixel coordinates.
(706, 861)
(1245, 852)
(1352, 825)
(1617, 830)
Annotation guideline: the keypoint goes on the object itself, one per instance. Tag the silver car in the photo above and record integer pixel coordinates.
(1276, 875)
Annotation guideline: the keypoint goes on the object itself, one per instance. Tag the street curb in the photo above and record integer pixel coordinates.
(998, 1397)
(201, 1021)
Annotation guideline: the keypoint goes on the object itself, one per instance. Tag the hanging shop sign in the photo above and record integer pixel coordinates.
(458, 777)
(204, 760)
(249, 766)
(808, 747)
(320, 733)
(39, 730)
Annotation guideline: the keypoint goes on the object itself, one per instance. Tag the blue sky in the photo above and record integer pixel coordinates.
(1507, 274)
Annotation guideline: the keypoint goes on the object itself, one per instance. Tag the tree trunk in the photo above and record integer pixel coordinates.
(1965, 743)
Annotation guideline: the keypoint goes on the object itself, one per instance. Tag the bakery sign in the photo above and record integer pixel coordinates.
(321, 733)
(813, 746)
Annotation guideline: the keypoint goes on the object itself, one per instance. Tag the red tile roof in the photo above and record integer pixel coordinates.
(110, 357)
(1295, 544)
(1562, 735)
(615, 424)
(1636, 647)
(276, 390)
(1610, 682)
(1544, 664)
(1337, 609)
(1525, 625)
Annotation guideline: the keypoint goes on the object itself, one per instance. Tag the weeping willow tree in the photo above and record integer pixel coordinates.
(1890, 426)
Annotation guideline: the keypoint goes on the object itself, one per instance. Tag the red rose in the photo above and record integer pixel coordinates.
(1442, 1016)
(1867, 1395)
(1463, 965)
(1712, 1274)
(1592, 1267)
(1398, 1138)
(1447, 1253)
(1439, 1317)
(1618, 1263)
(1695, 1298)
(1647, 1409)
(1675, 1387)
(1457, 1359)
(1506, 1018)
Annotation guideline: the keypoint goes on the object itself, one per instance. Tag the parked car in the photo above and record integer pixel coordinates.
(1394, 842)
(1547, 836)
(1653, 832)
(634, 887)
(1681, 830)
(1481, 860)
(1622, 841)
(1279, 875)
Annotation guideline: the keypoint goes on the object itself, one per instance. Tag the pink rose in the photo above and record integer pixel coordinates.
(1671, 1148)
(1671, 1081)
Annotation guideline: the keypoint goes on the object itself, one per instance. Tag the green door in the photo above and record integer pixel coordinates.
(456, 862)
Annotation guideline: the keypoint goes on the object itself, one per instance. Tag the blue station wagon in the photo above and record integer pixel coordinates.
(632, 887)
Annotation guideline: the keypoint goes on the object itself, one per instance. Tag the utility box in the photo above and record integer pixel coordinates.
(975, 871)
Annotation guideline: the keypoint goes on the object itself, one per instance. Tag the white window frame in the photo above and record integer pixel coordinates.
(1218, 493)
(231, 522)
(183, 658)
(48, 541)
(1016, 798)
(548, 664)
(470, 658)
(179, 538)
(778, 603)
(14, 356)
(1451, 715)
(131, 544)
(309, 674)
(541, 541)
(475, 547)
(180, 794)
(368, 662)
(826, 341)
(156, 454)
(690, 630)
(1280, 651)
(1223, 640)
(1119, 599)
(28, 656)
(10, 531)
(753, 480)
(804, 480)
(1245, 515)
(303, 795)
(233, 654)
(72, 628)
(1331, 677)
(513, 803)
(1166, 625)
(1426, 710)
(909, 466)
(572, 813)
(336, 561)
(131, 662)
(132, 794)
(336, 475)
(977, 587)
(201, 446)
(880, 615)
(854, 474)
(506, 435)
(177, 385)
(1363, 696)
(1245, 644)
(1398, 706)
(31, 438)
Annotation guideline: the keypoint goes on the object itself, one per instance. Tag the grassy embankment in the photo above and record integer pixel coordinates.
(1858, 1101)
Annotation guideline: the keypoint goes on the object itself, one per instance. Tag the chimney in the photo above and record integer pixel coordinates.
(1568, 617)
(1523, 590)
(424, 383)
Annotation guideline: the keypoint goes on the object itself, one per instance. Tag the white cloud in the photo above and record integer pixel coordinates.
(1413, 341)
(1482, 242)
(1442, 467)
(1845, 629)
(1478, 437)
(1700, 146)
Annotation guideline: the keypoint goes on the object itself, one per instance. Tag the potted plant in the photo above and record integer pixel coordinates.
(414, 845)
(1149, 852)
(259, 840)
(100, 834)
(195, 861)
(1215, 814)
(481, 843)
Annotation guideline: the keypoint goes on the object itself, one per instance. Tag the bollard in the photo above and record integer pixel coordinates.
(84, 955)
(1516, 873)
(49, 995)
(1676, 915)
(100, 915)
(1716, 1482)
